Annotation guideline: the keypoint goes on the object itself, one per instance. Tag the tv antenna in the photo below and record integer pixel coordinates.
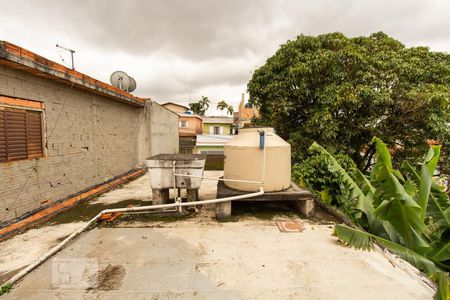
(132, 86)
(71, 53)
(122, 81)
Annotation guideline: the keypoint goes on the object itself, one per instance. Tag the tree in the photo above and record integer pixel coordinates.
(201, 106)
(342, 91)
(230, 110)
(222, 105)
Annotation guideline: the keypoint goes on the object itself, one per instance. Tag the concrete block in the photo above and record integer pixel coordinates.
(306, 207)
(223, 210)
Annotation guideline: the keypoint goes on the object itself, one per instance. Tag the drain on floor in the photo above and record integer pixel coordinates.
(290, 226)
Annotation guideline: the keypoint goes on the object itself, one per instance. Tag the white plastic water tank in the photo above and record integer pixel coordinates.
(244, 160)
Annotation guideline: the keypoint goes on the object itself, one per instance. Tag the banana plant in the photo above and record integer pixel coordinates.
(407, 213)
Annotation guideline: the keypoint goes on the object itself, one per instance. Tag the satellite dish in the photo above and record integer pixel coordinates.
(120, 79)
(132, 86)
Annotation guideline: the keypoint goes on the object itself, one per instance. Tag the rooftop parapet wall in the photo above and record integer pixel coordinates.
(20, 58)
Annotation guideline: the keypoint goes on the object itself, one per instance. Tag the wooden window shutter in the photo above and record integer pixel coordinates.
(16, 135)
(2, 136)
(20, 134)
(34, 134)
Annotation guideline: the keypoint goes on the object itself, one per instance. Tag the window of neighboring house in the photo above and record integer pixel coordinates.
(183, 124)
(217, 130)
(20, 134)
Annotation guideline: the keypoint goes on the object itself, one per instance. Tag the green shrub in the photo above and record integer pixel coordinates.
(5, 289)
(314, 174)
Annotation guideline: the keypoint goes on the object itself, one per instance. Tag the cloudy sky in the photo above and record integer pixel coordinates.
(180, 50)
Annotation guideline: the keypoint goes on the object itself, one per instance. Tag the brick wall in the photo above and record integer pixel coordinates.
(90, 139)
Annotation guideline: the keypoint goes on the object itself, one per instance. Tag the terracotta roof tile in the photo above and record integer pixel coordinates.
(20, 58)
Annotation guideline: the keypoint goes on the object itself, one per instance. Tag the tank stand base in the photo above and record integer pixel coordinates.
(306, 207)
(302, 198)
(160, 196)
(192, 195)
(223, 210)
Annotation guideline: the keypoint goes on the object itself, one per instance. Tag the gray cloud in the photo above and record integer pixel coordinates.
(181, 49)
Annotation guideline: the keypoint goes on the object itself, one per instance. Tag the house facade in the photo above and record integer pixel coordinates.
(218, 125)
(63, 133)
(217, 131)
(189, 126)
(211, 144)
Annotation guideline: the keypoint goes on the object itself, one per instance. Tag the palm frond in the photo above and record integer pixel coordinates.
(428, 166)
(363, 240)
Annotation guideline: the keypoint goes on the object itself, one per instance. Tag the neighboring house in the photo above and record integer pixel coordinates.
(64, 134)
(190, 123)
(217, 131)
(243, 117)
(218, 125)
(175, 107)
(211, 144)
(189, 126)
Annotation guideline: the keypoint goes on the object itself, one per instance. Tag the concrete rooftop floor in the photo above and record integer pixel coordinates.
(200, 258)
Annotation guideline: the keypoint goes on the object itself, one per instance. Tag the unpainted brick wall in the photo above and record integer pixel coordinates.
(90, 139)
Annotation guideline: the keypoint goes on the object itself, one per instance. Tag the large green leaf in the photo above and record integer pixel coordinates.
(437, 215)
(367, 186)
(383, 166)
(438, 209)
(363, 240)
(362, 203)
(394, 203)
(441, 252)
(403, 213)
(443, 286)
(426, 175)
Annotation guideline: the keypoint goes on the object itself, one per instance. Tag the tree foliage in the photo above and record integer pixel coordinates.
(201, 106)
(313, 173)
(342, 91)
(222, 105)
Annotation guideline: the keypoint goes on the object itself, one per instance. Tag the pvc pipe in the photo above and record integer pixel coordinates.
(264, 164)
(219, 179)
(177, 204)
(58, 247)
(262, 136)
(50, 253)
(182, 204)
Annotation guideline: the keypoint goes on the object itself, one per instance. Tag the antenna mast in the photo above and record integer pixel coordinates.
(71, 53)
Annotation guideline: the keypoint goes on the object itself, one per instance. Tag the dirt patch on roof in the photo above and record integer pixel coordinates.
(111, 277)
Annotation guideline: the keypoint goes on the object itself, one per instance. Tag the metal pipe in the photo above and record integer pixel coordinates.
(58, 247)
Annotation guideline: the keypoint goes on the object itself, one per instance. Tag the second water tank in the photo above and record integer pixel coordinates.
(244, 160)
